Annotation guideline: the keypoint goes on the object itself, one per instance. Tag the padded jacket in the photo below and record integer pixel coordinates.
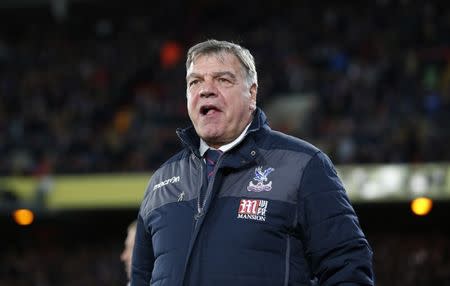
(275, 213)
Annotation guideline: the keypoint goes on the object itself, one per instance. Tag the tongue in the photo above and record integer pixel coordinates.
(211, 111)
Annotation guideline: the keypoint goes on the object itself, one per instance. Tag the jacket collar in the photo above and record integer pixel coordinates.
(190, 139)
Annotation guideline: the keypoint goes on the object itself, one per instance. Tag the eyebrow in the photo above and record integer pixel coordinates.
(215, 74)
(227, 73)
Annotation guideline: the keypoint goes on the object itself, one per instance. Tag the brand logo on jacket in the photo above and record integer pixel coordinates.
(174, 179)
(260, 178)
(252, 209)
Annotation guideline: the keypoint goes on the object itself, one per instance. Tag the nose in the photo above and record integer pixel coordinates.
(208, 89)
(207, 93)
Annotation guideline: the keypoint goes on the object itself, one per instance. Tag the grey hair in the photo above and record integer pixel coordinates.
(216, 47)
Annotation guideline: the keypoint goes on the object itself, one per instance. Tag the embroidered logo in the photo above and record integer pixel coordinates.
(174, 179)
(252, 209)
(260, 178)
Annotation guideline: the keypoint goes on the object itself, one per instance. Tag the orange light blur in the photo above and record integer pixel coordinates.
(23, 216)
(421, 206)
(171, 53)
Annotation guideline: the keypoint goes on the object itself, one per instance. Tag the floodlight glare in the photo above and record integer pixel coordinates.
(23, 216)
(421, 206)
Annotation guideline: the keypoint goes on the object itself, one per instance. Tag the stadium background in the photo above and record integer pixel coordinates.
(92, 91)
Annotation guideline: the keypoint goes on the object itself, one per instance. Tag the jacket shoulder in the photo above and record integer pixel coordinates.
(165, 174)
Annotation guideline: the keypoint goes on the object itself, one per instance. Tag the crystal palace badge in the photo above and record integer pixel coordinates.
(260, 178)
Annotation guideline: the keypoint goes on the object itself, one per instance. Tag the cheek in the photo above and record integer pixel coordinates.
(243, 107)
(190, 103)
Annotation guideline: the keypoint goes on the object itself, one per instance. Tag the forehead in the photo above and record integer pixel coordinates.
(216, 62)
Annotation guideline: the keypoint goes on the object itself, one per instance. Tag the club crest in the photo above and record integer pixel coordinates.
(261, 179)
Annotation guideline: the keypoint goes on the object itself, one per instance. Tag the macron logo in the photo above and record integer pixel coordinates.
(168, 181)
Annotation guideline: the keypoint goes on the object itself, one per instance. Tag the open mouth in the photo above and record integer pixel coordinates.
(208, 109)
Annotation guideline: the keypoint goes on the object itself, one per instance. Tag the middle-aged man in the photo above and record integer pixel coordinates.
(242, 204)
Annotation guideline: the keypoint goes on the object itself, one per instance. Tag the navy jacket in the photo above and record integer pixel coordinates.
(275, 214)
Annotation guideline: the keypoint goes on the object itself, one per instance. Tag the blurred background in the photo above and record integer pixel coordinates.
(91, 93)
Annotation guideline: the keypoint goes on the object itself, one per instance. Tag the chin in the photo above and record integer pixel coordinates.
(210, 132)
(210, 138)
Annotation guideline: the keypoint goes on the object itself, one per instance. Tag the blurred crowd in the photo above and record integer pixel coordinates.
(102, 90)
(68, 249)
(63, 264)
(411, 259)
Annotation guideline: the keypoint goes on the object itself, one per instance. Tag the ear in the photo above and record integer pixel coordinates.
(253, 93)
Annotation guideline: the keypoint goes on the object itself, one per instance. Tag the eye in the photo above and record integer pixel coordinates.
(223, 80)
(193, 82)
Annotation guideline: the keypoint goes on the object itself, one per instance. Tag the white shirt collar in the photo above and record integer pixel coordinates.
(204, 147)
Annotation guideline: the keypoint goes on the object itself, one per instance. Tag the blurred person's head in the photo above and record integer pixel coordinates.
(221, 90)
(127, 252)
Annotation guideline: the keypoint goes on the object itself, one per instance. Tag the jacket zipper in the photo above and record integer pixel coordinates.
(199, 209)
(195, 223)
(208, 191)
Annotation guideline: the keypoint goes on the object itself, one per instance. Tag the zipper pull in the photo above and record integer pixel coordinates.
(198, 215)
(181, 197)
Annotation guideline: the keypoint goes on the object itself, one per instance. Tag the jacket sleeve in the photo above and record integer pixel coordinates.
(334, 244)
(143, 258)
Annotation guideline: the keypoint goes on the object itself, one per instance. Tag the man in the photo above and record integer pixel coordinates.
(127, 252)
(269, 211)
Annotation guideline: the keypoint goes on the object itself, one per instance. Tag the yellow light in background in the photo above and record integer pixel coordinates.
(23, 216)
(421, 206)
